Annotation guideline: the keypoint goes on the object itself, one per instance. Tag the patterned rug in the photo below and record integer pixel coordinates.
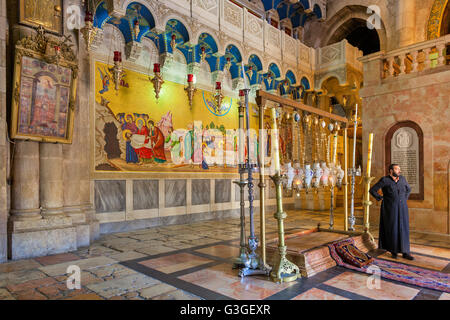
(399, 272)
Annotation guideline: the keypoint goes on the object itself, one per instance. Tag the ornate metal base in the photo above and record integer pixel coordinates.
(285, 271)
(239, 262)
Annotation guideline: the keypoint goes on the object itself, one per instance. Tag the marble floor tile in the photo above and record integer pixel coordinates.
(57, 258)
(175, 262)
(221, 251)
(129, 255)
(85, 264)
(134, 282)
(19, 265)
(5, 295)
(155, 250)
(433, 251)
(419, 261)
(358, 283)
(224, 280)
(445, 296)
(156, 290)
(318, 294)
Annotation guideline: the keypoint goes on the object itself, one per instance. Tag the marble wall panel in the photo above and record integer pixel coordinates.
(175, 193)
(145, 194)
(110, 195)
(201, 191)
(237, 192)
(222, 191)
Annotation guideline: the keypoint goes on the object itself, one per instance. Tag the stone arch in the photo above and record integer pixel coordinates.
(436, 19)
(173, 16)
(149, 53)
(110, 30)
(328, 76)
(348, 18)
(148, 4)
(342, 11)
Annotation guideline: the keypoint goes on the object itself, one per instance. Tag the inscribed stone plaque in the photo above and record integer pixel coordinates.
(405, 153)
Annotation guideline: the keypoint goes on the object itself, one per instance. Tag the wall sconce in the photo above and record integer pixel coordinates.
(218, 97)
(203, 54)
(88, 31)
(190, 89)
(117, 70)
(173, 42)
(227, 64)
(157, 80)
(136, 28)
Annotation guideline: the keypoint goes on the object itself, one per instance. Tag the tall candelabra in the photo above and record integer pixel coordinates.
(253, 264)
(243, 254)
(353, 173)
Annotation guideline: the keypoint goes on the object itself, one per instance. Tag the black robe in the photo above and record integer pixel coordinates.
(394, 217)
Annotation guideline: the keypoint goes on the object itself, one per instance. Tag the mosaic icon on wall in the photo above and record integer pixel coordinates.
(134, 132)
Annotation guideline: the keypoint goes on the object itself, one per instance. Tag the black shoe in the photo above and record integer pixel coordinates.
(394, 255)
(408, 256)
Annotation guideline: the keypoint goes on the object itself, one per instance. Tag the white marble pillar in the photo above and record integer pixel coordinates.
(51, 179)
(406, 22)
(25, 182)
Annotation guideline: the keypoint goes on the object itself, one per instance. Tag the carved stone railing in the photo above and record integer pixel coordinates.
(334, 61)
(415, 58)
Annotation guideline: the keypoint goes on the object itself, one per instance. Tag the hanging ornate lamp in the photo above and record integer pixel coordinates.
(117, 70)
(203, 54)
(218, 96)
(173, 42)
(227, 65)
(136, 28)
(88, 31)
(190, 89)
(157, 80)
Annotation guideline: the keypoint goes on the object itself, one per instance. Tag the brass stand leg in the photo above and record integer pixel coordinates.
(331, 208)
(367, 203)
(243, 255)
(283, 270)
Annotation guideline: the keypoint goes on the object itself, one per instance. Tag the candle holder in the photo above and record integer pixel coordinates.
(157, 80)
(190, 89)
(239, 262)
(218, 96)
(227, 65)
(203, 54)
(283, 270)
(253, 264)
(173, 42)
(353, 173)
(88, 31)
(117, 70)
(367, 203)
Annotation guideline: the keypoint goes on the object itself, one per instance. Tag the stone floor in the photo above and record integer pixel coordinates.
(194, 261)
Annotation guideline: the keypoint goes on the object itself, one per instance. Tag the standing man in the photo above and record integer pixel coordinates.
(394, 217)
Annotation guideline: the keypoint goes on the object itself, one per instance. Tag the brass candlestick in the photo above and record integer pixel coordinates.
(283, 270)
(367, 203)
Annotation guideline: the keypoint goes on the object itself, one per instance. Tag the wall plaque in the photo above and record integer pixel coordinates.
(404, 146)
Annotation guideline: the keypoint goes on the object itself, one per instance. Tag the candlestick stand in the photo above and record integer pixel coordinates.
(367, 203)
(253, 263)
(243, 255)
(331, 207)
(283, 270)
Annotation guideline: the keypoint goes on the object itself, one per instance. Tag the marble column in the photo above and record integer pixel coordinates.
(25, 182)
(51, 179)
(3, 141)
(406, 22)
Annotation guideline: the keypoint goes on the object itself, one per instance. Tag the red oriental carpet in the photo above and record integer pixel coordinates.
(399, 272)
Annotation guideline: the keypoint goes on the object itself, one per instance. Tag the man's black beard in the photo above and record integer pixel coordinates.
(394, 175)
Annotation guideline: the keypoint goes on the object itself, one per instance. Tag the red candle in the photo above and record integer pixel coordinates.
(156, 68)
(173, 37)
(218, 86)
(88, 17)
(57, 48)
(190, 77)
(241, 93)
(117, 56)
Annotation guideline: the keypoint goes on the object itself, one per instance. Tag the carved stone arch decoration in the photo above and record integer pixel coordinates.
(404, 146)
(436, 19)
